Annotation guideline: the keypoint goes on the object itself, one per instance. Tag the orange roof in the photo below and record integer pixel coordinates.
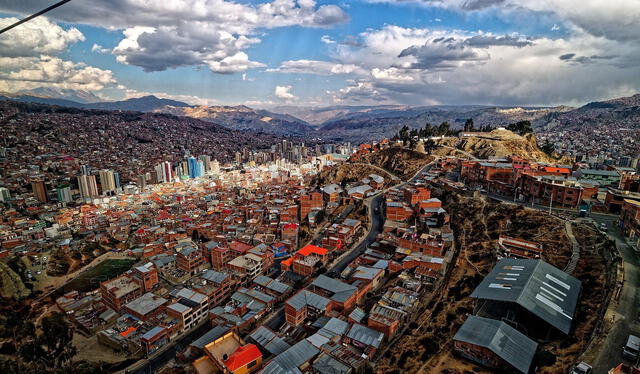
(128, 331)
(242, 357)
(312, 249)
(287, 262)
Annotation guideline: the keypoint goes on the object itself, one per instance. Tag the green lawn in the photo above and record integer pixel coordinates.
(90, 279)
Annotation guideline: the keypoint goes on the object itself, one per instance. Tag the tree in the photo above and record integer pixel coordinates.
(468, 125)
(443, 129)
(548, 148)
(521, 127)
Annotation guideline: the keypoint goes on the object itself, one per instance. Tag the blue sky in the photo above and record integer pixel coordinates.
(305, 52)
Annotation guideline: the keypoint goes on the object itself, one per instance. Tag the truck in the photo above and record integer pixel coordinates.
(582, 368)
(631, 349)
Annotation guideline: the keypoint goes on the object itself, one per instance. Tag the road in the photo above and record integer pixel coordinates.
(377, 223)
(625, 316)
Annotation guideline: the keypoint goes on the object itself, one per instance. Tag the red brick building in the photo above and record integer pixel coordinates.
(310, 201)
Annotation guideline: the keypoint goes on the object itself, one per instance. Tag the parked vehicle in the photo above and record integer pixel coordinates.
(631, 349)
(603, 226)
(582, 368)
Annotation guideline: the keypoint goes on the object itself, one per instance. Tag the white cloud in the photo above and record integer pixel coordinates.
(284, 93)
(36, 37)
(317, 67)
(45, 71)
(97, 48)
(189, 99)
(160, 35)
(615, 20)
(421, 66)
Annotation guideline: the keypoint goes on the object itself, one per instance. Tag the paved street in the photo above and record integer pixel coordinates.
(626, 312)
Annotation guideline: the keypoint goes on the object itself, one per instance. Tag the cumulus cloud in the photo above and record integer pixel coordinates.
(284, 93)
(317, 67)
(421, 66)
(36, 37)
(168, 34)
(46, 71)
(617, 20)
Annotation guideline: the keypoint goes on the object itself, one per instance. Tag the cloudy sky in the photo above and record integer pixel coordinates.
(306, 52)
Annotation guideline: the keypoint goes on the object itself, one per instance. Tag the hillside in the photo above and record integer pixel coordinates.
(130, 142)
(401, 162)
(244, 118)
(497, 143)
(377, 124)
(623, 111)
(347, 172)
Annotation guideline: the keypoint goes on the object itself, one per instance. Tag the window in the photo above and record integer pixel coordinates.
(252, 364)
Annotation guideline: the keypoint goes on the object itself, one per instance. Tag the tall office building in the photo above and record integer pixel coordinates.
(85, 170)
(192, 165)
(215, 166)
(206, 161)
(107, 182)
(5, 196)
(142, 182)
(164, 172)
(116, 179)
(64, 194)
(88, 186)
(39, 191)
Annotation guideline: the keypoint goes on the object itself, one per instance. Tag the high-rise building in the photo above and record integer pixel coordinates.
(215, 166)
(85, 170)
(164, 172)
(107, 182)
(39, 191)
(5, 196)
(192, 165)
(88, 186)
(64, 194)
(116, 179)
(206, 161)
(142, 182)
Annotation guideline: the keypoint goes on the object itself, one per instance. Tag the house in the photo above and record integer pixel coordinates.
(268, 341)
(494, 344)
(386, 319)
(216, 285)
(189, 257)
(293, 360)
(331, 193)
(306, 260)
(369, 340)
(154, 338)
(343, 296)
(119, 291)
(228, 354)
(305, 304)
(190, 309)
(360, 192)
(146, 306)
(514, 247)
(537, 295)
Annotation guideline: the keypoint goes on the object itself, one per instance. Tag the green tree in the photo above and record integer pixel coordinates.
(521, 127)
(443, 129)
(468, 125)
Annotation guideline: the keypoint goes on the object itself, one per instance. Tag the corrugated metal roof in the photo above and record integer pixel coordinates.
(290, 360)
(326, 364)
(503, 340)
(365, 335)
(542, 289)
(209, 336)
(304, 298)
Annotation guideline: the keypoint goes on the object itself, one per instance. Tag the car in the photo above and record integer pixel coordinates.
(582, 368)
(603, 226)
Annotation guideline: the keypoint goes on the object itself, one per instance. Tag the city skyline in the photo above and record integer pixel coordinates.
(263, 54)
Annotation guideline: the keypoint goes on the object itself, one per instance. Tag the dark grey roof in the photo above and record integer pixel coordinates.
(342, 291)
(357, 315)
(210, 336)
(365, 335)
(215, 276)
(503, 340)
(304, 298)
(290, 360)
(269, 340)
(334, 327)
(326, 364)
(542, 289)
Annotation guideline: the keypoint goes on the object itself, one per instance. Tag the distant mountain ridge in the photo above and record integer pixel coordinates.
(353, 123)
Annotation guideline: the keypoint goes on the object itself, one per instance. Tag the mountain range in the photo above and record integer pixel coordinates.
(350, 123)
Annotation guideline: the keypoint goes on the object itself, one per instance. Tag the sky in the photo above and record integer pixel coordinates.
(323, 53)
